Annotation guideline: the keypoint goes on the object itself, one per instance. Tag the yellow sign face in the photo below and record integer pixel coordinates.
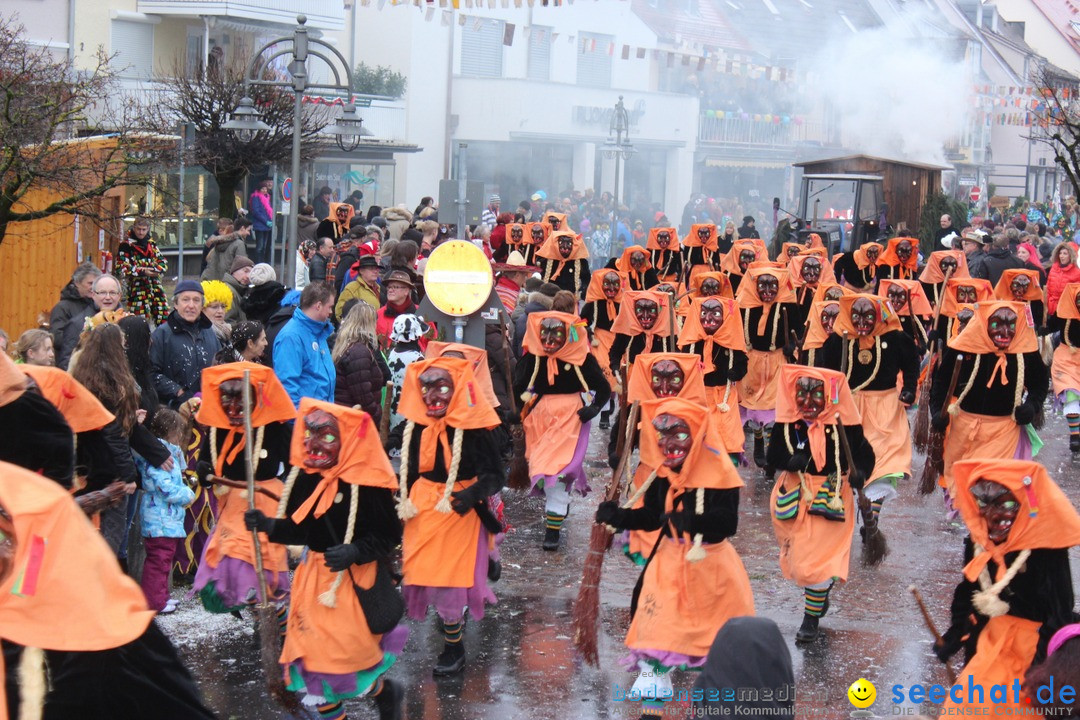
(458, 278)
(862, 693)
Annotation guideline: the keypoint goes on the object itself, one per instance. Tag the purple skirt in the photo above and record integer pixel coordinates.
(450, 602)
(573, 475)
(329, 687)
(661, 660)
(233, 584)
(761, 417)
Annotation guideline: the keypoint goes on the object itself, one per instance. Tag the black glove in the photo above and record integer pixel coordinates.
(608, 513)
(587, 413)
(856, 479)
(340, 557)
(789, 351)
(1024, 413)
(798, 461)
(947, 647)
(465, 500)
(933, 336)
(257, 520)
(940, 421)
(1045, 330)
(202, 470)
(907, 397)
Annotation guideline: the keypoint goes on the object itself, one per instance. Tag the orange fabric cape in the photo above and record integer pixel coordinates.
(476, 356)
(815, 332)
(527, 237)
(652, 244)
(692, 240)
(974, 337)
(362, 460)
(1066, 309)
(955, 326)
(1047, 519)
(889, 257)
(730, 334)
(707, 465)
(887, 320)
(468, 408)
(82, 410)
(983, 292)
(747, 296)
(730, 262)
(550, 250)
(1002, 291)
(595, 291)
(640, 386)
(272, 404)
(561, 217)
(795, 269)
(839, 404)
(933, 273)
(573, 351)
(723, 279)
(861, 260)
(822, 288)
(623, 263)
(60, 557)
(917, 301)
(626, 321)
(12, 380)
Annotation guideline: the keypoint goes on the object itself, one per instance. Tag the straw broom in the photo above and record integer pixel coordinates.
(934, 464)
(384, 419)
(921, 433)
(587, 607)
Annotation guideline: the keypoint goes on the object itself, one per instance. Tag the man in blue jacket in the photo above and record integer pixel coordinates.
(301, 356)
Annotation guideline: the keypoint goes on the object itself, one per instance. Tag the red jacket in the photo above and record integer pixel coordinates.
(1056, 281)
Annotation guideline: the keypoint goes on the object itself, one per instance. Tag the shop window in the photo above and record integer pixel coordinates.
(594, 60)
(482, 48)
(133, 45)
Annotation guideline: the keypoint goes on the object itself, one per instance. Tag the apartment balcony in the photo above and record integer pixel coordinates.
(321, 14)
(750, 133)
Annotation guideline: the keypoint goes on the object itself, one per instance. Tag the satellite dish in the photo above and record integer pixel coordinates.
(458, 278)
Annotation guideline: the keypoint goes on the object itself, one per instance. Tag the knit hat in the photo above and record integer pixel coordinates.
(190, 286)
(262, 273)
(240, 262)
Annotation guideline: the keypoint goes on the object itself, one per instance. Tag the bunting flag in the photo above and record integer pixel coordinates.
(508, 32)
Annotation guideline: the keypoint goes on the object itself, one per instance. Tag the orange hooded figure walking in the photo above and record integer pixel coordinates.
(1065, 369)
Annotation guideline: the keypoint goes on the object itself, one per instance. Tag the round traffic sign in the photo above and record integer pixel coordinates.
(976, 193)
(458, 278)
(286, 190)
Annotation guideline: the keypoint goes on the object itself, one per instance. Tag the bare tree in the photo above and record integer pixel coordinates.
(204, 101)
(49, 162)
(1057, 120)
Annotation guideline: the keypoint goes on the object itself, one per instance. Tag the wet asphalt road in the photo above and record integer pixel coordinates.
(521, 661)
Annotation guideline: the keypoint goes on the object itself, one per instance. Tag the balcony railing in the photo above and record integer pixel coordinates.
(321, 14)
(750, 132)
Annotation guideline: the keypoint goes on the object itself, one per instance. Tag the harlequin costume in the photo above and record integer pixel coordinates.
(225, 580)
(1065, 369)
(723, 355)
(895, 264)
(637, 279)
(738, 260)
(957, 292)
(1023, 285)
(145, 296)
(556, 367)
(570, 271)
(933, 274)
(700, 249)
(694, 580)
(911, 307)
(450, 465)
(873, 361)
(987, 417)
(667, 260)
(62, 592)
(858, 269)
(1015, 592)
(632, 337)
(343, 513)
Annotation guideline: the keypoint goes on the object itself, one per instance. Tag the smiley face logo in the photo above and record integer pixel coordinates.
(862, 693)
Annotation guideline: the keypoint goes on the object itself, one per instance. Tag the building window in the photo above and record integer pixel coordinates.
(594, 60)
(540, 53)
(482, 48)
(133, 45)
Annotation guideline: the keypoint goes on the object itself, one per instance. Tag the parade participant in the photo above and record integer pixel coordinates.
(517, 238)
(813, 510)
(557, 221)
(808, 271)
(665, 253)
(1022, 285)
(108, 658)
(858, 270)
(938, 264)
(958, 292)
(225, 580)
(1000, 363)
(450, 465)
(602, 300)
(877, 350)
(700, 250)
(339, 504)
(557, 423)
(1065, 369)
(713, 331)
(642, 325)
(819, 327)
(703, 285)
(766, 299)
(536, 234)
(565, 261)
(910, 306)
(899, 260)
(336, 223)
(140, 265)
(831, 292)
(694, 580)
(1016, 592)
(735, 263)
(634, 263)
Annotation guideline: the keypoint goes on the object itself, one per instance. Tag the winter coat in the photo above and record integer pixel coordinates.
(302, 358)
(72, 332)
(360, 380)
(997, 261)
(538, 302)
(317, 268)
(262, 301)
(277, 321)
(1056, 281)
(262, 214)
(71, 305)
(384, 321)
(179, 351)
(344, 259)
(356, 290)
(397, 221)
(305, 228)
(235, 313)
(301, 278)
(164, 496)
(976, 262)
(501, 376)
(219, 261)
(398, 361)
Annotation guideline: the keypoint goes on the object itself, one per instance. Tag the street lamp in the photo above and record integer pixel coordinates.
(246, 121)
(618, 147)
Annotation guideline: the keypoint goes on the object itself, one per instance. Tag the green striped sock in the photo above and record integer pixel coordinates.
(553, 521)
(331, 711)
(875, 507)
(1074, 424)
(452, 632)
(814, 601)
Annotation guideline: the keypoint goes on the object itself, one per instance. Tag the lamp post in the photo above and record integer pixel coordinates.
(618, 147)
(246, 121)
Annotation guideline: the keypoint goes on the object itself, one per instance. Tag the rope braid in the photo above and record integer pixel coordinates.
(724, 406)
(530, 389)
(443, 505)
(329, 598)
(406, 508)
(260, 434)
(954, 407)
(851, 363)
(290, 482)
(32, 683)
(640, 492)
(988, 600)
(1065, 335)
(1018, 392)
(696, 553)
(835, 503)
(581, 378)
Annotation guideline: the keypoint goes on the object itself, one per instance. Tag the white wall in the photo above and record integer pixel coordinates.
(1040, 33)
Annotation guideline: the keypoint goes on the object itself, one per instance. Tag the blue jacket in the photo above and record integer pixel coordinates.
(262, 214)
(164, 496)
(302, 359)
